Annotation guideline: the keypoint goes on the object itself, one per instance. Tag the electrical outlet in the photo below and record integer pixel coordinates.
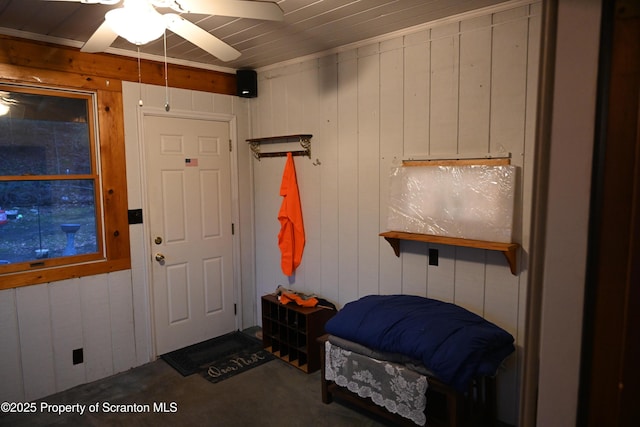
(433, 257)
(78, 356)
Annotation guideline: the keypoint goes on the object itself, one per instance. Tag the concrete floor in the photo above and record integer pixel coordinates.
(273, 394)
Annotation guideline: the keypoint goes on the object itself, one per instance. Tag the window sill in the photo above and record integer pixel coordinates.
(46, 275)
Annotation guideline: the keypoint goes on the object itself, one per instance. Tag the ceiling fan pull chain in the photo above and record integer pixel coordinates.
(139, 80)
(167, 107)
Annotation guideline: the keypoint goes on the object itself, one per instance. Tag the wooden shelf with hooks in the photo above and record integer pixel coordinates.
(303, 139)
(508, 249)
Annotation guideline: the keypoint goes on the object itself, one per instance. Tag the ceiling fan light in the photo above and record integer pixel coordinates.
(137, 24)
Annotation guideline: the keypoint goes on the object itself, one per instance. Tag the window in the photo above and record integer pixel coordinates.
(50, 192)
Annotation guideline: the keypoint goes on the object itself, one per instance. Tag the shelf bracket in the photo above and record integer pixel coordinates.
(255, 149)
(395, 244)
(510, 255)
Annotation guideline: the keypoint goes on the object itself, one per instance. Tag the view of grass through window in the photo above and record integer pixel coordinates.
(46, 219)
(47, 182)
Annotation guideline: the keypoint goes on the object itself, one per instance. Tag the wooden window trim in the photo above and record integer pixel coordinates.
(110, 124)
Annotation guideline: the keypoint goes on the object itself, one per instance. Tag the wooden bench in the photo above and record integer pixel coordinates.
(445, 406)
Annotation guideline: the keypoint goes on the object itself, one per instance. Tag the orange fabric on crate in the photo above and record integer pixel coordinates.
(287, 297)
(291, 237)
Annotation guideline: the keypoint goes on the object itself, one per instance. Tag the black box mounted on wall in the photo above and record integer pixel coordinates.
(246, 83)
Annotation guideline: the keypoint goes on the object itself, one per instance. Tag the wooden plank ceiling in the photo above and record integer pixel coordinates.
(309, 27)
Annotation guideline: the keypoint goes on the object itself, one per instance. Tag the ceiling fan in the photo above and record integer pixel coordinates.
(139, 22)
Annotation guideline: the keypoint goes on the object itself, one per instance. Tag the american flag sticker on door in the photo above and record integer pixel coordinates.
(191, 162)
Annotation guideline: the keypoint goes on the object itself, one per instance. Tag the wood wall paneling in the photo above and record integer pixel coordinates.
(475, 85)
(121, 314)
(368, 192)
(348, 162)
(206, 102)
(140, 293)
(114, 185)
(36, 341)
(417, 94)
(279, 115)
(465, 88)
(66, 332)
(36, 76)
(12, 389)
(469, 270)
(267, 176)
(501, 300)
(508, 83)
(239, 108)
(524, 198)
(391, 138)
(526, 187)
(441, 282)
(308, 110)
(96, 322)
(228, 105)
(414, 267)
(444, 97)
(327, 147)
(50, 58)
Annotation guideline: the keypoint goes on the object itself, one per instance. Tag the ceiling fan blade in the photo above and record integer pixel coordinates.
(100, 40)
(200, 37)
(240, 8)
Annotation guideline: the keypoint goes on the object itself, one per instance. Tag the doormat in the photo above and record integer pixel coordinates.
(219, 358)
(235, 364)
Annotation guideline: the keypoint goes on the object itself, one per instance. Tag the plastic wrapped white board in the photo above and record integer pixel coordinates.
(471, 202)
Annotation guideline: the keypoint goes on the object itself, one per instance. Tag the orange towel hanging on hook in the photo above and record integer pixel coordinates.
(291, 237)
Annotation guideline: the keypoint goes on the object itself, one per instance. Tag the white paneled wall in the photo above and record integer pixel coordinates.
(464, 86)
(43, 324)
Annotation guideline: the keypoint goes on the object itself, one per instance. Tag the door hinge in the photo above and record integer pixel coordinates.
(235, 309)
(230, 146)
(233, 229)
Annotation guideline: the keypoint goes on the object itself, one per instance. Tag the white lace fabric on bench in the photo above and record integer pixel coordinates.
(390, 385)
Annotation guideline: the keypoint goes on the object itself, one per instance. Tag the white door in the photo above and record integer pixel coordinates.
(189, 196)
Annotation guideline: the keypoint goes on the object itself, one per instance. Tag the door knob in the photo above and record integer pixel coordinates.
(159, 257)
